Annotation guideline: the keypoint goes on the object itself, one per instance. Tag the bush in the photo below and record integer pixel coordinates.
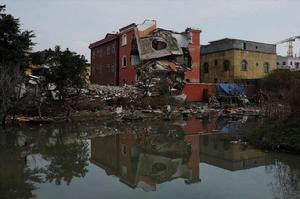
(283, 135)
(283, 86)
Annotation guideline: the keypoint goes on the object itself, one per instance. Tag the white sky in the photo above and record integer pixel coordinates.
(76, 23)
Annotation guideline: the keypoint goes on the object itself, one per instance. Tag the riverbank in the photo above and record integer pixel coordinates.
(281, 136)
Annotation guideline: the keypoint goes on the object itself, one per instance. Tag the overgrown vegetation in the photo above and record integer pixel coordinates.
(279, 135)
(283, 87)
(14, 48)
(281, 131)
(67, 71)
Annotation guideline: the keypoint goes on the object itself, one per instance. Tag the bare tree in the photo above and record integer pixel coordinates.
(11, 79)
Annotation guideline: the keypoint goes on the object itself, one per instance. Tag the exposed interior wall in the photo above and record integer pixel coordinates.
(194, 50)
(127, 74)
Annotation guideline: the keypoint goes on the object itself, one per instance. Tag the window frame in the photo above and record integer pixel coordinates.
(244, 65)
(206, 68)
(266, 67)
(124, 39)
(124, 65)
(226, 67)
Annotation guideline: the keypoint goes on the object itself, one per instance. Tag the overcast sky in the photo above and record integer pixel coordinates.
(76, 23)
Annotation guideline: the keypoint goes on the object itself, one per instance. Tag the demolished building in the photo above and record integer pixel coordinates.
(164, 59)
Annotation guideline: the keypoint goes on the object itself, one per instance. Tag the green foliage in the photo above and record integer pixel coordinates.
(280, 135)
(281, 79)
(14, 43)
(67, 69)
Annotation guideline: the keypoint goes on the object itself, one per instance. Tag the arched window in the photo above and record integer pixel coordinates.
(266, 67)
(244, 65)
(226, 65)
(206, 67)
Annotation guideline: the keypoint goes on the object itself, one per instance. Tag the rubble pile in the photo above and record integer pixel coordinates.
(113, 92)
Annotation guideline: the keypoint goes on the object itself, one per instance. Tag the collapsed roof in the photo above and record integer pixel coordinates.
(161, 54)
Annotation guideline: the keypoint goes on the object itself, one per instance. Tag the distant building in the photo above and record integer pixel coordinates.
(292, 63)
(104, 60)
(233, 60)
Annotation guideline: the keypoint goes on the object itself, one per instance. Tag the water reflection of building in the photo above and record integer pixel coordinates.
(147, 160)
(218, 151)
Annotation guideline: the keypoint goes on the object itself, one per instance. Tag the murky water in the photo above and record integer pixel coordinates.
(143, 160)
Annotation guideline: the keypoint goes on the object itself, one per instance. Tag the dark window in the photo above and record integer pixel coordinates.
(124, 61)
(256, 64)
(108, 50)
(277, 63)
(226, 65)
(216, 62)
(291, 63)
(244, 65)
(283, 63)
(112, 67)
(206, 67)
(244, 46)
(124, 149)
(297, 64)
(266, 67)
(113, 49)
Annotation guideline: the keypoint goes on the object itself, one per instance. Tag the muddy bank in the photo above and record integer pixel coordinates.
(277, 136)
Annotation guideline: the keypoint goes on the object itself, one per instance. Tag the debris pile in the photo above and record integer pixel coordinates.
(107, 93)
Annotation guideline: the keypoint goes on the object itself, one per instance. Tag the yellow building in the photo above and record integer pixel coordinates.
(233, 60)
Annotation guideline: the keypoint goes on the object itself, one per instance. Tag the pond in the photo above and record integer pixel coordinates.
(193, 158)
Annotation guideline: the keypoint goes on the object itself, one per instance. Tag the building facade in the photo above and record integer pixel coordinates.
(291, 63)
(233, 60)
(118, 65)
(105, 61)
(127, 73)
(194, 51)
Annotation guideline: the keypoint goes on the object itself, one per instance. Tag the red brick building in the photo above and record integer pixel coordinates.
(127, 74)
(194, 50)
(105, 61)
(111, 57)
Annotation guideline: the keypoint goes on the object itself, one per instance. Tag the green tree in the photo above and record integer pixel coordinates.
(67, 69)
(14, 48)
(14, 43)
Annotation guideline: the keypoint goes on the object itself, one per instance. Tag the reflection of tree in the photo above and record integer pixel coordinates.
(286, 185)
(68, 158)
(16, 179)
